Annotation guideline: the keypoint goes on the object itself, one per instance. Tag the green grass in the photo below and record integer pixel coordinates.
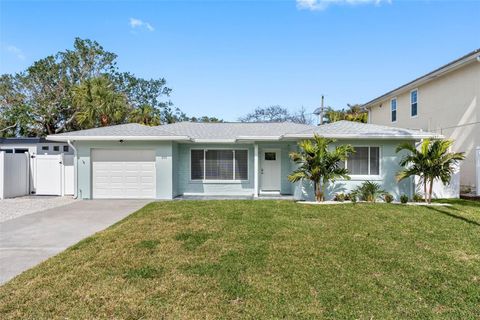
(263, 259)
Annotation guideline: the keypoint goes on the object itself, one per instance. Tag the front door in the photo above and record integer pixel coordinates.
(270, 170)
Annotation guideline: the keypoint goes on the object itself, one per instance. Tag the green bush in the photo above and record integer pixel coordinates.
(339, 197)
(369, 191)
(417, 198)
(404, 198)
(388, 198)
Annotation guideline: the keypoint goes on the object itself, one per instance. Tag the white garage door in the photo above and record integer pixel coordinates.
(122, 174)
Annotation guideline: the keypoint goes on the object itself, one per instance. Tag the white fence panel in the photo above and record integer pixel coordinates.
(68, 175)
(48, 174)
(14, 174)
(441, 191)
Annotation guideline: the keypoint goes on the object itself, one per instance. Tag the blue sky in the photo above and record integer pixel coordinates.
(224, 58)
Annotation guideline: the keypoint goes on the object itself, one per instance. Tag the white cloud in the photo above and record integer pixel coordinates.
(137, 23)
(15, 51)
(315, 5)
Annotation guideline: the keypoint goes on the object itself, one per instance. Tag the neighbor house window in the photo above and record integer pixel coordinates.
(65, 148)
(365, 161)
(56, 148)
(393, 107)
(414, 103)
(219, 164)
(45, 148)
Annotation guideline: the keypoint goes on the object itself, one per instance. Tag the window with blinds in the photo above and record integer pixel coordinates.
(219, 164)
(365, 161)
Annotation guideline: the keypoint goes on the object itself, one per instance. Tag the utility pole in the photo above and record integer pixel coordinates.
(321, 111)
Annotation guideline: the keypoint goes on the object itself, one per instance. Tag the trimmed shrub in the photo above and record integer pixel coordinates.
(417, 198)
(388, 198)
(404, 198)
(339, 197)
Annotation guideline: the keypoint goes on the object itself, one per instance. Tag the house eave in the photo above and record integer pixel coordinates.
(365, 137)
(117, 138)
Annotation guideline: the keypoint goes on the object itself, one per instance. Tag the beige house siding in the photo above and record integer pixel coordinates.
(450, 105)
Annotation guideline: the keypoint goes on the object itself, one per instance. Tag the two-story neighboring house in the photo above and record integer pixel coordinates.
(445, 101)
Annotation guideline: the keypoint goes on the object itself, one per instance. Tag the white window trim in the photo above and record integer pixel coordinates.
(207, 181)
(411, 103)
(396, 110)
(357, 177)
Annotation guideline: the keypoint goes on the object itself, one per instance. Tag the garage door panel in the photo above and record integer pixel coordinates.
(123, 173)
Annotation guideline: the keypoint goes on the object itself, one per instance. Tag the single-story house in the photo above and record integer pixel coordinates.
(225, 159)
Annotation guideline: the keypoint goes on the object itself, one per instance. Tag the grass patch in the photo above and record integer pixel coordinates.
(192, 239)
(148, 244)
(264, 259)
(145, 272)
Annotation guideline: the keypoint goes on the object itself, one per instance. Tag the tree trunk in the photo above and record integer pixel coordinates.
(425, 190)
(318, 191)
(104, 120)
(430, 191)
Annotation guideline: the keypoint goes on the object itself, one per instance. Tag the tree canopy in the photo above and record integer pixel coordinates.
(80, 88)
(277, 114)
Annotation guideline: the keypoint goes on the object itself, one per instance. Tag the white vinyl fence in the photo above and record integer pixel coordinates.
(14, 174)
(478, 171)
(441, 191)
(22, 174)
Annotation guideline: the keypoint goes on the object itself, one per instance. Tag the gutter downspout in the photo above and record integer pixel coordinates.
(75, 169)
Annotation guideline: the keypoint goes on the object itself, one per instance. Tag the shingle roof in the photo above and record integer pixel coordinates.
(234, 130)
(350, 129)
(238, 131)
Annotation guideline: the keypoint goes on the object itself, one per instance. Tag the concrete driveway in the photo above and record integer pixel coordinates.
(31, 239)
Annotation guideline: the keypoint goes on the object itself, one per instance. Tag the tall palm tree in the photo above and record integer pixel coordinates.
(319, 163)
(431, 161)
(145, 114)
(99, 103)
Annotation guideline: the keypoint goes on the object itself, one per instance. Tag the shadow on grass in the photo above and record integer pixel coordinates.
(455, 216)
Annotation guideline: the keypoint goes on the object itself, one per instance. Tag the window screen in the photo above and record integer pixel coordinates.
(241, 165)
(358, 162)
(197, 164)
(365, 161)
(219, 165)
(393, 106)
(374, 160)
(414, 103)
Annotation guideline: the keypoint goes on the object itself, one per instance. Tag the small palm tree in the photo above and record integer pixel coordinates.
(99, 103)
(431, 161)
(319, 164)
(369, 191)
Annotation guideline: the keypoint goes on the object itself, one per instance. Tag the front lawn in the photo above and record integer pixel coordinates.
(264, 259)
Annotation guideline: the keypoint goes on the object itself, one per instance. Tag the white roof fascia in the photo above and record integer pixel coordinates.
(116, 138)
(370, 137)
(214, 140)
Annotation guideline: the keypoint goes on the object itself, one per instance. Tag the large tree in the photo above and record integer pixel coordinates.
(40, 100)
(353, 112)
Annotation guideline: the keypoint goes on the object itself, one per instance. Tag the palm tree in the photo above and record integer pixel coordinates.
(99, 103)
(319, 163)
(431, 161)
(145, 114)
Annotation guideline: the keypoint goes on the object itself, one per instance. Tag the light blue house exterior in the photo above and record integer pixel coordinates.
(226, 159)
